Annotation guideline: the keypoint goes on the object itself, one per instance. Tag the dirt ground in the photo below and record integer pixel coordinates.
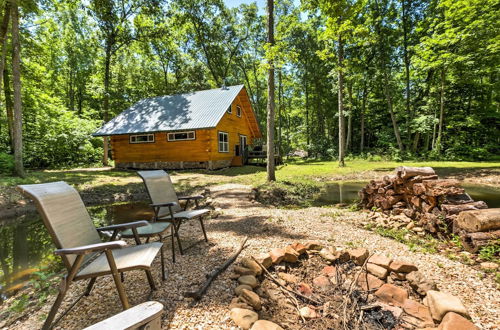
(267, 227)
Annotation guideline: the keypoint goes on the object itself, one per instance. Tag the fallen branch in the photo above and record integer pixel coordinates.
(196, 295)
(271, 277)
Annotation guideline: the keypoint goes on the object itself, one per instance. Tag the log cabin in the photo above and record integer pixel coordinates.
(207, 129)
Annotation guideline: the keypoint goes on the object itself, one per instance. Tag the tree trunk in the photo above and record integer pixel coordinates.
(341, 102)
(3, 33)
(441, 112)
(391, 112)
(280, 109)
(9, 107)
(349, 120)
(407, 59)
(363, 108)
(270, 95)
(18, 111)
(306, 91)
(105, 106)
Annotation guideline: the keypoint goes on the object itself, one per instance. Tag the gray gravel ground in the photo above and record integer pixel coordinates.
(267, 228)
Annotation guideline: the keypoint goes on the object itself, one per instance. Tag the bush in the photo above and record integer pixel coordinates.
(286, 193)
(6, 163)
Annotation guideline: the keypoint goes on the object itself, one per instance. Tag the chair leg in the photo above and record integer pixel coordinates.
(63, 288)
(172, 235)
(162, 256)
(176, 230)
(116, 278)
(150, 279)
(203, 228)
(90, 285)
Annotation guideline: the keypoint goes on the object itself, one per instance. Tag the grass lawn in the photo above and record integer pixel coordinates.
(106, 180)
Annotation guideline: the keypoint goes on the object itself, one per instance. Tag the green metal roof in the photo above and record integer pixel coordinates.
(196, 110)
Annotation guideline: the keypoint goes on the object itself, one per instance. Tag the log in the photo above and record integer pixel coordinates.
(457, 199)
(418, 189)
(408, 172)
(456, 209)
(474, 241)
(442, 187)
(479, 220)
(198, 294)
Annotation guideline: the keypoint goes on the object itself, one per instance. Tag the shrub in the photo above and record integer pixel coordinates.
(6, 163)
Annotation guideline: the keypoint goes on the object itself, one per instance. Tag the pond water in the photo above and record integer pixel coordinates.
(26, 247)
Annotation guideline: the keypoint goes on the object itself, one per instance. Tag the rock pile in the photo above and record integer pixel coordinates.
(393, 290)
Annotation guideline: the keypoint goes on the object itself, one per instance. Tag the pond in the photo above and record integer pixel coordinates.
(26, 247)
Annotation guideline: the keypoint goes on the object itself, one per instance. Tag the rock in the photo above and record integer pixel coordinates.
(490, 266)
(418, 229)
(391, 294)
(288, 277)
(300, 248)
(380, 261)
(329, 271)
(396, 311)
(308, 313)
(265, 259)
(402, 267)
(441, 303)
(245, 271)
(243, 318)
(420, 312)
(239, 304)
(291, 255)
(398, 276)
(251, 298)
(377, 270)
(238, 289)
(369, 282)
(305, 289)
(326, 254)
(277, 255)
(321, 282)
(419, 283)
(313, 246)
(358, 255)
(249, 280)
(410, 226)
(454, 321)
(265, 325)
(342, 255)
(249, 263)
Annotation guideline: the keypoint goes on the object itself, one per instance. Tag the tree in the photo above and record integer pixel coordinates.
(271, 176)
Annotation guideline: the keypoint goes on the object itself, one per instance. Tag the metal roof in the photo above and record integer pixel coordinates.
(196, 110)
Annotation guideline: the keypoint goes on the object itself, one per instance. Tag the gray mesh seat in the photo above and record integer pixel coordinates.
(79, 245)
(165, 202)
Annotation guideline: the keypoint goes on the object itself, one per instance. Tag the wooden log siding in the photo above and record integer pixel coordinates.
(203, 148)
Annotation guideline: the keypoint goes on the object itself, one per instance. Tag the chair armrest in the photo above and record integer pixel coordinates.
(122, 226)
(163, 204)
(86, 249)
(194, 197)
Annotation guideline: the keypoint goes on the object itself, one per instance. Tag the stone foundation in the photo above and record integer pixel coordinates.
(209, 165)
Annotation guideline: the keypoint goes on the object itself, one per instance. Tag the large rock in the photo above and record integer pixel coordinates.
(479, 220)
(454, 321)
(380, 261)
(358, 255)
(249, 280)
(238, 289)
(265, 259)
(326, 254)
(399, 266)
(277, 255)
(377, 270)
(321, 282)
(243, 318)
(305, 289)
(313, 246)
(265, 325)
(251, 298)
(391, 294)
(249, 263)
(369, 282)
(244, 270)
(419, 283)
(308, 313)
(330, 271)
(290, 278)
(441, 303)
(291, 255)
(420, 312)
(299, 247)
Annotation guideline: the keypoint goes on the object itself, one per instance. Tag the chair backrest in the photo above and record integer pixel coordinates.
(160, 189)
(64, 215)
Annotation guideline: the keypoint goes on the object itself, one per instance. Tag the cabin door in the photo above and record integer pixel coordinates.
(243, 148)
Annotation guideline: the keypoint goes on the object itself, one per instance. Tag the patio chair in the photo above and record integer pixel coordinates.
(80, 247)
(165, 202)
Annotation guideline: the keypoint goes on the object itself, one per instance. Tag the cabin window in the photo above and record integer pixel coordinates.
(223, 142)
(181, 136)
(230, 110)
(238, 111)
(142, 138)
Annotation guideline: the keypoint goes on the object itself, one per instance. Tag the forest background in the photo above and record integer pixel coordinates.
(420, 78)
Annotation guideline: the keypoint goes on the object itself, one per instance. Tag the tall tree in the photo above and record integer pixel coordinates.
(16, 76)
(271, 176)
